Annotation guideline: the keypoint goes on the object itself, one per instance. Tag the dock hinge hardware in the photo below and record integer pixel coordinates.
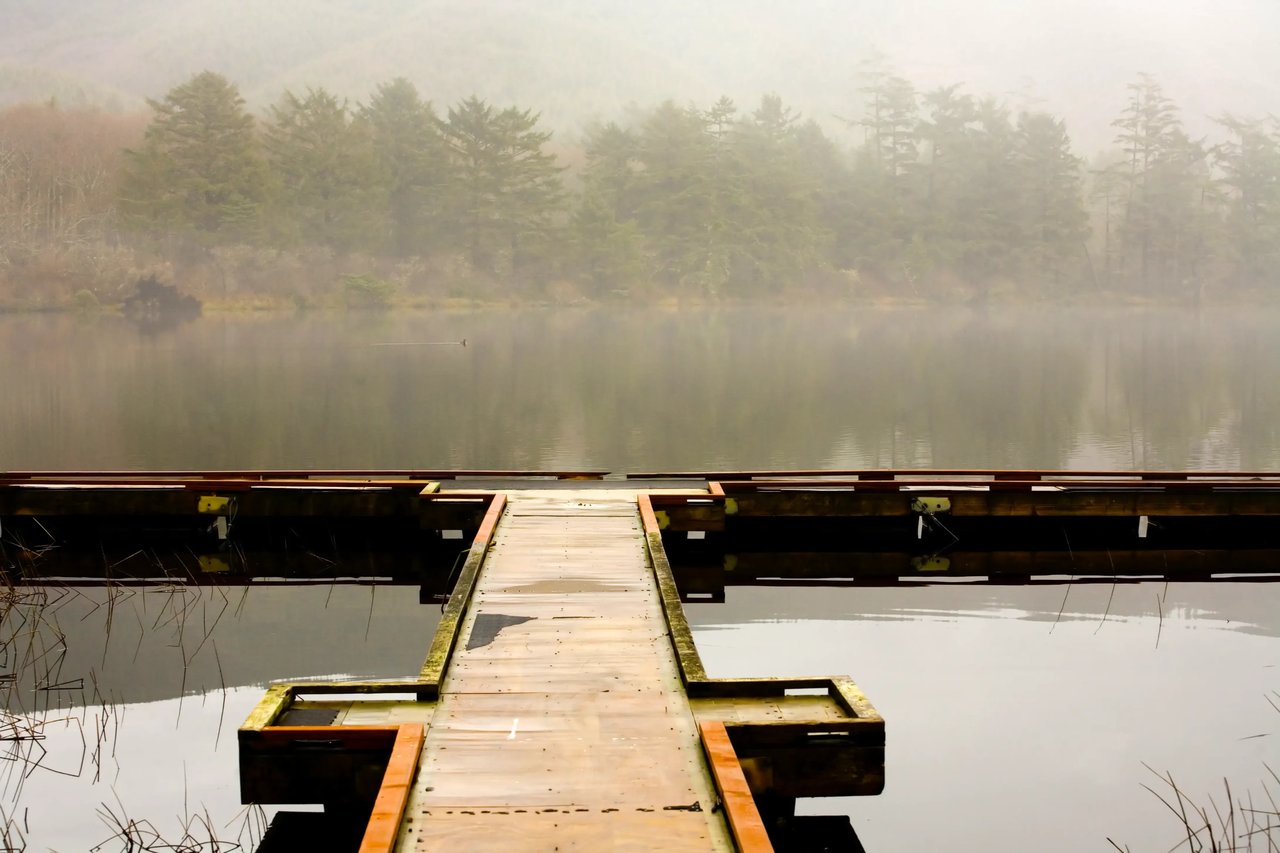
(213, 505)
(930, 564)
(210, 564)
(219, 506)
(931, 506)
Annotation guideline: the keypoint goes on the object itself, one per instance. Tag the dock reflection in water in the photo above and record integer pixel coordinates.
(1020, 716)
(123, 703)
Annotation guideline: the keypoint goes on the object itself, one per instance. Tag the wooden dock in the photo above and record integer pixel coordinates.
(563, 705)
(563, 721)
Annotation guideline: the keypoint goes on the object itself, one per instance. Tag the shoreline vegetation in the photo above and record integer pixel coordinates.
(252, 305)
(321, 204)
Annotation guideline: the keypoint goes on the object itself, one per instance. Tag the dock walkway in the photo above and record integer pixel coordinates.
(562, 703)
(563, 723)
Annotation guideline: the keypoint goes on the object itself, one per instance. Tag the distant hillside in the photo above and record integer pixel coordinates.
(575, 60)
(570, 59)
(30, 83)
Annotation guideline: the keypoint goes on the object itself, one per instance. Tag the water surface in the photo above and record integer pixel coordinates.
(644, 389)
(1016, 719)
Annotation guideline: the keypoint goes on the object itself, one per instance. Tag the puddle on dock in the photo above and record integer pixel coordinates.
(1020, 717)
(122, 705)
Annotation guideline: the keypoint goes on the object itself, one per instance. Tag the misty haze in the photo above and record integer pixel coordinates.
(571, 236)
(416, 153)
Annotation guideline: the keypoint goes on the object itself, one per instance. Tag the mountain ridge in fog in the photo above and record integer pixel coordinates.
(576, 61)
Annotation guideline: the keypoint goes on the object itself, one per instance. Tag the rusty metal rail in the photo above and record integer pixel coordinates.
(749, 833)
(856, 475)
(1004, 484)
(865, 475)
(303, 474)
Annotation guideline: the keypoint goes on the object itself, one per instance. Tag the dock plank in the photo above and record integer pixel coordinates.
(577, 830)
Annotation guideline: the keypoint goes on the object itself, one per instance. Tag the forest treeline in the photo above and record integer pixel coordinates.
(944, 195)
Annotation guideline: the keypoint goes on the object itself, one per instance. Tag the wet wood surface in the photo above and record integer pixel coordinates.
(563, 723)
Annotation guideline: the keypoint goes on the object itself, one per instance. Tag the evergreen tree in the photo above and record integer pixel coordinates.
(1250, 164)
(883, 233)
(413, 161)
(891, 119)
(944, 179)
(1053, 221)
(1160, 186)
(610, 247)
(947, 138)
(679, 204)
(720, 202)
(199, 169)
(1107, 192)
(1183, 211)
(612, 171)
(780, 232)
(988, 216)
(506, 189)
(323, 161)
(828, 170)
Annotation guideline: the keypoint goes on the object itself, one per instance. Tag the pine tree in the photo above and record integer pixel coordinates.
(1157, 156)
(506, 189)
(988, 216)
(781, 236)
(413, 162)
(677, 207)
(883, 233)
(613, 168)
(1107, 193)
(199, 169)
(323, 161)
(1053, 221)
(610, 248)
(892, 119)
(1250, 164)
(947, 138)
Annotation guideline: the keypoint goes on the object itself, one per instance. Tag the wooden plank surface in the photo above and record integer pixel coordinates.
(790, 709)
(562, 722)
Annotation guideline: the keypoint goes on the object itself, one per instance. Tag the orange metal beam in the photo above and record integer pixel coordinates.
(647, 517)
(745, 822)
(393, 796)
(397, 780)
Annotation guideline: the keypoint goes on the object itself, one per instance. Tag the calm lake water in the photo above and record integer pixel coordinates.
(1017, 720)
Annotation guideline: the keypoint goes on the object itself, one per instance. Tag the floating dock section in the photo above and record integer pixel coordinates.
(562, 703)
(563, 706)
